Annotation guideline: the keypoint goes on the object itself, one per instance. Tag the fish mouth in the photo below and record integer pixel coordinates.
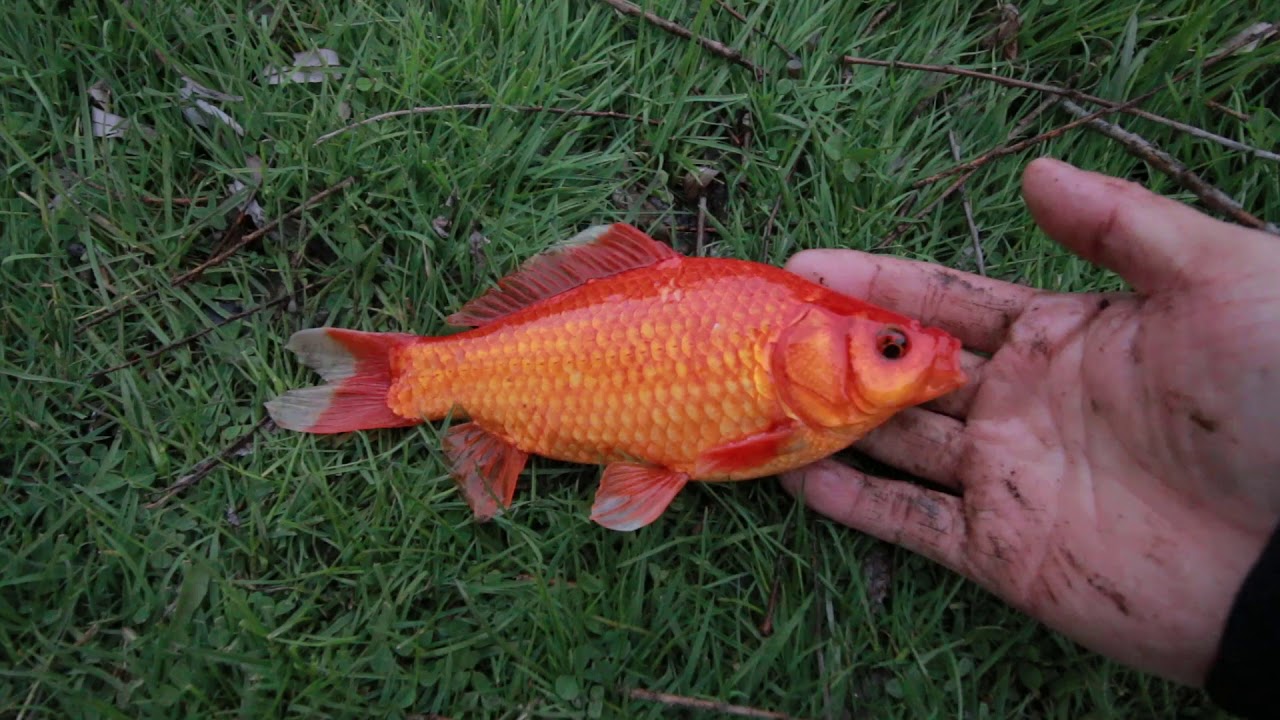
(945, 374)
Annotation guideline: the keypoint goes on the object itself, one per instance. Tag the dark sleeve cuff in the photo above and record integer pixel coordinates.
(1245, 676)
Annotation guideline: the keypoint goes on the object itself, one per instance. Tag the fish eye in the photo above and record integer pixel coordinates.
(892, 344)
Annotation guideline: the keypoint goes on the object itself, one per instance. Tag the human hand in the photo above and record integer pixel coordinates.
(1116, 461)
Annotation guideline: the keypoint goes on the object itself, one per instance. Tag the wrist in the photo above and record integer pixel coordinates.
(1242, 678)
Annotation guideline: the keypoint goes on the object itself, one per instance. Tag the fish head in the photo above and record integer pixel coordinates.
(895, 362)
(857, 369)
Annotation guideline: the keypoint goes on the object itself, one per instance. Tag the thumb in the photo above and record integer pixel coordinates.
(1152, 242)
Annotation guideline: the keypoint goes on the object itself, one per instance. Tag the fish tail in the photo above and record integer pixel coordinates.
(357, 369)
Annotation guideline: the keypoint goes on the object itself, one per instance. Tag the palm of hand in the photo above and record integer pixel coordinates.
(1112, 459)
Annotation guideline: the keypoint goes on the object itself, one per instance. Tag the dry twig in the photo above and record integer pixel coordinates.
(766, 625)
(1001, 151)
(879, 18)
(180, 280)
(199, 334)
(968, 209)
(1072, 94)
(700, 236)
(743, 19)
(206, 466)
(712, 705)
(1211, 196)
(959, 182)
(773, 214)
(713, 46)
(427, 109)
(1254, 35)
(1242, 117)
(144, 198)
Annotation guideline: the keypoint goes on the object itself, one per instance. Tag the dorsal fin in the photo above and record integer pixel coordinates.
(597, 252)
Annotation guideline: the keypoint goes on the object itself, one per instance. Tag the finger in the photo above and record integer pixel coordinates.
(976, 309)
(922, 521)
(1152, 242)
(925, 444)
(956, 403)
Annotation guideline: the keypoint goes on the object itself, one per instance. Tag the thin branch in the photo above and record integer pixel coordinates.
(197, 335)
(1001, 151)
(700, 236)
(743, 19)
(1031, 117)
(427, 109)
(819, 601)
(968, 209)
(1211, 196)
(712, 705)
(959, 182)
(206, 466)
(141, 197)
(766, 624)
(247, 239)
(1072, 94)
(773, 214)
(1242, 117)
(180, 280)
(729, 9)
(1263, 32)
(879, 18)
(713, 46)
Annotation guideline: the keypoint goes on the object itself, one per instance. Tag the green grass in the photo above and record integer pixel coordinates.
(343, 576)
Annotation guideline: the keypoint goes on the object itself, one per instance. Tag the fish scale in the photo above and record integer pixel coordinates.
(614, 349)
(586, 378)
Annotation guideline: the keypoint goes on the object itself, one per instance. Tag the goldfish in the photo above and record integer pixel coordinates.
(614, 349)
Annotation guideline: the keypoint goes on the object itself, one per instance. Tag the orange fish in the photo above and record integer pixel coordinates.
(614, 349)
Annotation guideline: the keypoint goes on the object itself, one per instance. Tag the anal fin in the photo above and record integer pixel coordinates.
(746, 453)
(485, 467)
(633, 495)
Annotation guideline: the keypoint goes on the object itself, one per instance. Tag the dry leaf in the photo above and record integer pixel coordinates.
(441, 226)
(101, 94)
(198, 108)
(1005, 34)
(311, 59)
(104, 123)
(251, 206)
(1261, 30)
(877, 575)
(697, 181)
(254, 163)
(477, 241)
(262, 12)
(192, 88)
(108, 125)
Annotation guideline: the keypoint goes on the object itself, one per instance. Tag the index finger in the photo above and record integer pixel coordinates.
(976, 309)
(923, 521)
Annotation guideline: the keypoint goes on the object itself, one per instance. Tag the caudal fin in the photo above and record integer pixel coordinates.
(357, 370)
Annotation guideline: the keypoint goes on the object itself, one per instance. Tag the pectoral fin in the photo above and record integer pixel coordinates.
(485, 467)
(748, 452)
(633, 495)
